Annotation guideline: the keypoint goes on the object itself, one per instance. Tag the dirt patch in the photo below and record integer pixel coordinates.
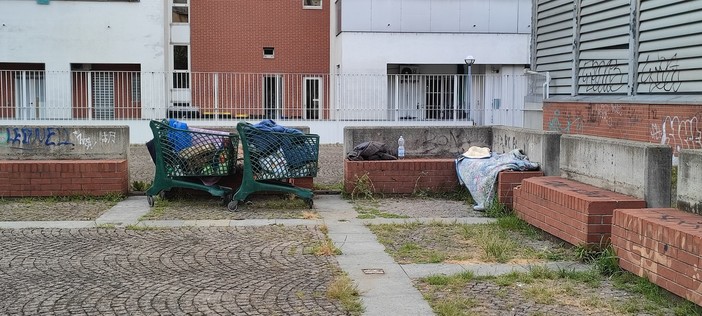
(415, 207)
(30, 209)
(210, 208)
(539, 297)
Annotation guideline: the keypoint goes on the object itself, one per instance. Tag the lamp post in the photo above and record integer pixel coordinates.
(469, 61)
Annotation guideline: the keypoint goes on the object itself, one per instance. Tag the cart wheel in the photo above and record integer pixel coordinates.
(233, 205)
(164, 195)
(310, 202)
(150, 199)
(226, 199)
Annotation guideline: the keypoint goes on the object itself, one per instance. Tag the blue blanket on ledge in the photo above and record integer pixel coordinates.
(480, 175)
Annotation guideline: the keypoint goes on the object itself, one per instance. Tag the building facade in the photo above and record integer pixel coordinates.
(421, 47)
(323, 64)
(79, 59)
(622, 69)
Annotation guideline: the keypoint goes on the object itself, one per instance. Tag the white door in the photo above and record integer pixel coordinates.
(410, 97)
(439, 97)
(30, 95)
(272, 96)
(312, 98)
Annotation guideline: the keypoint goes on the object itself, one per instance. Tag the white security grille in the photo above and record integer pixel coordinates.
(103, 95)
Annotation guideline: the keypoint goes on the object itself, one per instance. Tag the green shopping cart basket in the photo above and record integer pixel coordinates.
(184, 157)
(272, 158)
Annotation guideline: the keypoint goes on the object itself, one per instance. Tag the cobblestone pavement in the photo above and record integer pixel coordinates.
(186, 271)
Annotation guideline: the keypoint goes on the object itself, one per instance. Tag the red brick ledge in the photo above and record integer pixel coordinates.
(63, 177)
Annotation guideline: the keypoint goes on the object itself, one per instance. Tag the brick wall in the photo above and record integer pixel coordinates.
(229, 36)
(662, 245)
(575, 212)
(408, 176)
(506, 182)
(63, 177)
(403, 176)
(675, 125)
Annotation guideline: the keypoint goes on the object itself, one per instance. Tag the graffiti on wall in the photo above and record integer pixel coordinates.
(47, 136)
(657, 72)
(614, 115)
(88, 142)
(567, 124)
(678, 133)
(661, 73)
(617, 116)
(601, 76)
(632, 122)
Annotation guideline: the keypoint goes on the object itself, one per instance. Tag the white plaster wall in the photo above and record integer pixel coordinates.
(66, 32)
(369, 53)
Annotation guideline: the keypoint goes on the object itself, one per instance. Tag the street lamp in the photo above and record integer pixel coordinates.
(469, 61)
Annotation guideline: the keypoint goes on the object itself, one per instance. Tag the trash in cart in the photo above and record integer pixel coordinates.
(193, 158)
(274, 154)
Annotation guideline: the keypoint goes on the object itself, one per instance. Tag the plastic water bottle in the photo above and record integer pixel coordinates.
(401, 148)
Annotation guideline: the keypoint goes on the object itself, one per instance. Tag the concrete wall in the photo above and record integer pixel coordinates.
(56, 142)
(540, 146)
(690, 181)
(421, 140)
(633, 168)
(477, 16)
(370, 53)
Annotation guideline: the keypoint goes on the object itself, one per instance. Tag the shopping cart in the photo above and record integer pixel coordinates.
(271, 159)
(189, 158)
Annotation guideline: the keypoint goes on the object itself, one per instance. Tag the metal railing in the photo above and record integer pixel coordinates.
(124, 95)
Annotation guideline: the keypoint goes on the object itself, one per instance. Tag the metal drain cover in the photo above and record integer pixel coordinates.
(373, 271)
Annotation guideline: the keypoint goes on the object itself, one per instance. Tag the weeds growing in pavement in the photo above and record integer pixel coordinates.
(310, 215)
(325, 248)
(109, 197)
(364, 188)
(140, 185)
(602, 256)
(460, 193)
(284, 202)
(344, 290)
(371, 211)
(338, 186)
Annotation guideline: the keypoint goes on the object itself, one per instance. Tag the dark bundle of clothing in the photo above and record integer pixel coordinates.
(371, 150)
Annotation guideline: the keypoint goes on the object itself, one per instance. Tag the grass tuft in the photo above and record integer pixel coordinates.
(364, 188)
(343, 289)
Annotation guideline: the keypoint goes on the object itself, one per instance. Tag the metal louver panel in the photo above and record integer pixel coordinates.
(554, 42)
(603, 62)
(670, 37)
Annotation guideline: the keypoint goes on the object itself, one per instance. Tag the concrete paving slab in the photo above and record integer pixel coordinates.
(423, 270)
(47, 224)
(164, 223)
(126, 212)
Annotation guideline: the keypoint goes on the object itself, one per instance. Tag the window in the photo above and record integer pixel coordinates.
(181, 78)
(268, 52)
(136, 87)
(180, 11)
(311, 4)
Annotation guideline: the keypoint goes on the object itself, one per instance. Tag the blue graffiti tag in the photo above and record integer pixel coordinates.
(49, 136)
